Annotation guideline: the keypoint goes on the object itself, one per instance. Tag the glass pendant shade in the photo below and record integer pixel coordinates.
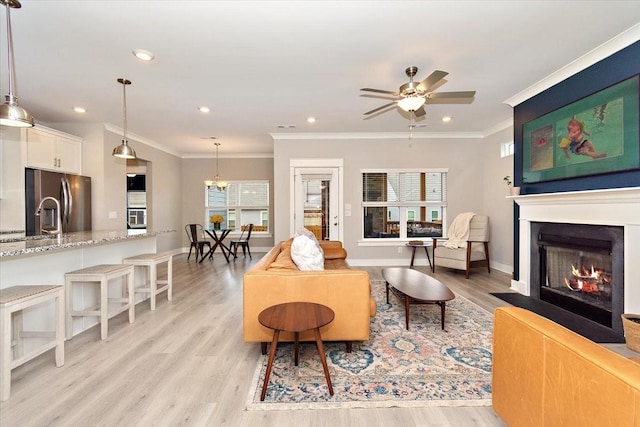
(411, 103)
(220, 184)
(11, 114)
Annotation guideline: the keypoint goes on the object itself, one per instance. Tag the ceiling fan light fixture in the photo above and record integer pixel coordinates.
(11, 114)
(124, 151)
(411, 103)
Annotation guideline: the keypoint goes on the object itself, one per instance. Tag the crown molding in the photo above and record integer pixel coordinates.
(376, 135)
(120, 131)
(505, 124)
(597, 54)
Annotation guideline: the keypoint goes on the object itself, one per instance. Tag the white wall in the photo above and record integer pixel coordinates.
(496, 205)
(194, 173)
(11, 181)
(109, 182)
(471, 163)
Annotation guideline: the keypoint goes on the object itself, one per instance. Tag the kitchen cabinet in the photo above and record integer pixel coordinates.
(53, 150)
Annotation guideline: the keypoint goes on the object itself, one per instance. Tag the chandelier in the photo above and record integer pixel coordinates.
(220, 184)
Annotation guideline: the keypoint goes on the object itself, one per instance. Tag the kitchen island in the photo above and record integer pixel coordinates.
(44, 260)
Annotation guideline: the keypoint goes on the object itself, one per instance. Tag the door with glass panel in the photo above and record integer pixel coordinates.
(316, 202)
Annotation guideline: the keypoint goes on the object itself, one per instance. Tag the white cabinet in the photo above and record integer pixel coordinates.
(53, 150)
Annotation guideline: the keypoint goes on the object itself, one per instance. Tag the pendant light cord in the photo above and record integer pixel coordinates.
(10, 54)
(217, 162)
(124, 109)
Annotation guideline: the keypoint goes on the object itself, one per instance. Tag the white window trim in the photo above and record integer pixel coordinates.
(396, 241)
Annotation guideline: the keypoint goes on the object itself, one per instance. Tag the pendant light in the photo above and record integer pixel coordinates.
(220, 184)
(11, 114)
(124, 151)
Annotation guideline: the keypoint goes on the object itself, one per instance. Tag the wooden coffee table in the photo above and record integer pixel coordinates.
(415, 287)
(296, 317)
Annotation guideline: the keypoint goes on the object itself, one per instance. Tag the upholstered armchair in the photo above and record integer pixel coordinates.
(474, 253)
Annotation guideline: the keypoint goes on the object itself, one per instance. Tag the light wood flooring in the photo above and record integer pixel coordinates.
(186, 364)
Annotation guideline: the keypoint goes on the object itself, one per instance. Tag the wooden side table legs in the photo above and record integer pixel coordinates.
(272, 355)
(323, 358)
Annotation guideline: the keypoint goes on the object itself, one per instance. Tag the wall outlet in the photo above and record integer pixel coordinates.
(113, 215)
(399, 249)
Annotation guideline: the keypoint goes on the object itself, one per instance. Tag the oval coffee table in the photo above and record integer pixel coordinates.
(296, 317)
(415, 287)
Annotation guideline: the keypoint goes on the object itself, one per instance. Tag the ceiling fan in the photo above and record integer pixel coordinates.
(412, 96)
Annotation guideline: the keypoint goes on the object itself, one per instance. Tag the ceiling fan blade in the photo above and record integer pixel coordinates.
(368, 89)
(420, 112)
(460, 94)
(462, 97)
(380, 108)
(433, 78)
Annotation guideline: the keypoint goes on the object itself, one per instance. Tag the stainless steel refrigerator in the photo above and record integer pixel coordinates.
(72, 191)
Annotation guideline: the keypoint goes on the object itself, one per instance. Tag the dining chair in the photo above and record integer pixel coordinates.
(244, 242)
(197, 239)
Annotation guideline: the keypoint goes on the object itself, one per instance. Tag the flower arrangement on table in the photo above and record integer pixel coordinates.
(216, 220)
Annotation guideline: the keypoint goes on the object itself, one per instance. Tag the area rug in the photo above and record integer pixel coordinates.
(424, 366)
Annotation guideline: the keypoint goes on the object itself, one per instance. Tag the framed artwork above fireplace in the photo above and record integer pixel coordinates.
(598, 134)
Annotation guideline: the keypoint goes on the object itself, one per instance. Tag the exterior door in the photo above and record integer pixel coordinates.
(317, 201)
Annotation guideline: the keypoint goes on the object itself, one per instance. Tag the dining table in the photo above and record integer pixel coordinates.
(218, 241)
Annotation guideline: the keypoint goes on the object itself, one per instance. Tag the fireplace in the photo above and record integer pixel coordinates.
(616, 208)
(580, 268)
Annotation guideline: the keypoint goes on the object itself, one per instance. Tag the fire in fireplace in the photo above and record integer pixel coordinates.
(580, 269)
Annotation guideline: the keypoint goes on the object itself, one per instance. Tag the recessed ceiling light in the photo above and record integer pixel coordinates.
(204, 109)
(143, 55)
(311, 119)
(446, 119)
(79, 110)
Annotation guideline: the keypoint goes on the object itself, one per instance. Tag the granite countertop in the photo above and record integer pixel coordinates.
(38, 244)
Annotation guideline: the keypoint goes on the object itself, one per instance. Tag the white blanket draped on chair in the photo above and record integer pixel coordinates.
(459, 231)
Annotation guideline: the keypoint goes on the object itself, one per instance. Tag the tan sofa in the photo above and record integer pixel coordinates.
(275, 279)
(547, 375)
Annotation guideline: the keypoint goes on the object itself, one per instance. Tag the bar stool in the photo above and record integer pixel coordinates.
(101, 274)
(151, 283)
(12, 301)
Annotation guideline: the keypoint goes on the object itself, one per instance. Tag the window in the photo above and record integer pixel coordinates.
(507, 149)
(242, 203)
(398, 204)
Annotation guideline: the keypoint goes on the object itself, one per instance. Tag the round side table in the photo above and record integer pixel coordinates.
(296, 317)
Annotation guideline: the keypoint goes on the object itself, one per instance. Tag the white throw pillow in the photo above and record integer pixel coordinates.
(310, 235)
(306, 254)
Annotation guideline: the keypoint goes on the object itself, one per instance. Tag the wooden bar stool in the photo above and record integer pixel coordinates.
(12, 301)
(151, 283)
(101, 274)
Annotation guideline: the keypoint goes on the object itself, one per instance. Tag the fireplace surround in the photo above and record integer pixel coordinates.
(613, 208)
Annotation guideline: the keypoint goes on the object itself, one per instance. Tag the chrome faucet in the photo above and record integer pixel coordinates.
(58, 229)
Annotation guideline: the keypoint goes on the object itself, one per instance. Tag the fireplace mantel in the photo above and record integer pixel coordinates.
(617, 207)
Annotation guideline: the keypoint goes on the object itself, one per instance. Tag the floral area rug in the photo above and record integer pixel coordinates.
(424, 366)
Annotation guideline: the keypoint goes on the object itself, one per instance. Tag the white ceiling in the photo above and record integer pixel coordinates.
(261, 64)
